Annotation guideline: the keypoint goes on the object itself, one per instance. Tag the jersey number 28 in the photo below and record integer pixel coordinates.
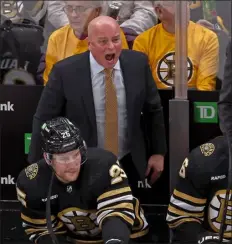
(117, 174)
(182, 172)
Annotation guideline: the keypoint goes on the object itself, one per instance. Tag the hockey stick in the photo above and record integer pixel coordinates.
(229, 187)
(48, 212)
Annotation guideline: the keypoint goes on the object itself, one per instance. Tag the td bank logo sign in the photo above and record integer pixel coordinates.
(9, 180)
(205, 112)
(8, 106)
(143, 184)
(27, 142)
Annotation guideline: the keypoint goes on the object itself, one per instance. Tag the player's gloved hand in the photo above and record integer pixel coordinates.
(209, 238)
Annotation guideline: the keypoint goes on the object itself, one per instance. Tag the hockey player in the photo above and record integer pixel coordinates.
(90, 198)
(196, 207)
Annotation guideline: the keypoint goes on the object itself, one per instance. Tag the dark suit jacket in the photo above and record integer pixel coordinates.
(225, 98)
(69, 93)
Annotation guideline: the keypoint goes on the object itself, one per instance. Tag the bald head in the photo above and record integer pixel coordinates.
(104, 40)
(102, 23)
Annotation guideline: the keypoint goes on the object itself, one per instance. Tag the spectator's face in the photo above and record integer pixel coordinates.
(105, 44)
(67, 165)
(166, 12)
(80, 13)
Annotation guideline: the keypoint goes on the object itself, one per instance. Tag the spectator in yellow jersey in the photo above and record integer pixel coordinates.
(72, 39)
(158, 43)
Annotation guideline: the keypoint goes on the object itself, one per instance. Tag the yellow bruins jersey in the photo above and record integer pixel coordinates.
(63, 43)
(201, 188)
(79, 208)
(202, 63)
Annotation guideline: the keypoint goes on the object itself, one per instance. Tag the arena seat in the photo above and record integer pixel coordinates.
(20, 52)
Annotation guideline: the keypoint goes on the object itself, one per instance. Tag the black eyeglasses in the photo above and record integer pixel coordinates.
(68, 9)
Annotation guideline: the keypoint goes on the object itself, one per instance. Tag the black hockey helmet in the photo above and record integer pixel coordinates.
(59, 135)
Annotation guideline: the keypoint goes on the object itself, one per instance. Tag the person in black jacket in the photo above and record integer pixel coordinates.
(225, 98)
(76, 89)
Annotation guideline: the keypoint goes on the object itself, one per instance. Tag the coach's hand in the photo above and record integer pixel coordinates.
(155, 167)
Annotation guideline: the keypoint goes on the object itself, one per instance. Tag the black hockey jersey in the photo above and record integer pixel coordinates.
(78, 208)
(200, 192)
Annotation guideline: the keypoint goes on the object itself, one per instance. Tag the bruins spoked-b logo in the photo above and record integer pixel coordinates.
(166, 69)
(216, 212)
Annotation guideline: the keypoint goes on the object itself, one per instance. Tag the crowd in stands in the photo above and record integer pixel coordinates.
(45, 32)
(46, 42)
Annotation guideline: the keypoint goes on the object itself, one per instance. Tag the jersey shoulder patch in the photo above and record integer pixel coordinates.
(32, 171)
(207, 149)
(34, 175)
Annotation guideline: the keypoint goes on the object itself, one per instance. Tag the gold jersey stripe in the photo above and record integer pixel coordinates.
(20, 193)
(120, 205)
(114, 192)
(33, 230)
(139, 234)
(35, 221)
(63, 212)
(22, 201)
(137, 215)
(123, 216)
(181, 221)
(189, 198)
(183, 213)
(46, 233)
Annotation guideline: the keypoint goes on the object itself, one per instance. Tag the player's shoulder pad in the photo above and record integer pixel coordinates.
(34, 175)
(205, 158)
(100, 159)
(212, 148)
(102, 166)
(208, 34)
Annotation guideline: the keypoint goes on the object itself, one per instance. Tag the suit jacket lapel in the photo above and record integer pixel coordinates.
(87, 91)
(127, 72)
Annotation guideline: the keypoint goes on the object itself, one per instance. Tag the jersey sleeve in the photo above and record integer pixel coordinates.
(188, 201)
(51, 57)
(33, 210)
(115, 199)
(141, 43)
(124, 41)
